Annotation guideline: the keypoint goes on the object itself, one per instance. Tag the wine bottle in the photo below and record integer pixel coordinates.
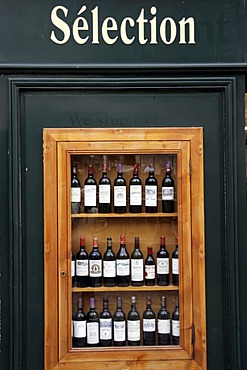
(135, 191)
(137, 278)
(82, 266)
(104, 192)
(75, 191)
(164, 324)
(109, 265)
(119, 192)
(176, 324)
(168, 190)
(123, 264)
(90, 187)
(72, 269)
(133, 325)
(162, 264)
(175, 266)
(105, 325)
(151, 192)
(119, 325)
(92, 325)
(95, 265)
(79, 326)
(150, 268)
(149, 324)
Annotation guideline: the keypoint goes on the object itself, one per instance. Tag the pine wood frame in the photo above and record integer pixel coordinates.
(59, 145)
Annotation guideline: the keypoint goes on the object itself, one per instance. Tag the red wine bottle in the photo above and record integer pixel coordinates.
(104, 192)
(149, 324)
(168, 190)
(176, 324)
(135, 191)
(95, 265)
(123, 264)
(133, 325)
(90, 187)
(150, 268)
(72, 269)
(164, 324)
(75, 191)
(82, 280)
(119, 192)
(109, 265)
(137, 278)
(105, 325)
(119, 325)
(175, 266)
(151, 192)
(162, 264)
(79, 326)
(92, 325)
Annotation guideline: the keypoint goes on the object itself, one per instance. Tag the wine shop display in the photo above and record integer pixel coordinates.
(124, 248)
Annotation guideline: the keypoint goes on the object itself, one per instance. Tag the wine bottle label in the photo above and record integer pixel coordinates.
(148, 325)
(175, 328)
(167, 193)
(151, 196)
(92, 332)
(82, 267)
(79, 329)
(109, 268)
(119, 196)
(175, 266)
(105, 329)
(134, 330)
(104, 193)
(95, 268)
(72, 268)
(75, 195)
(136, 269)
(119, 331)
(135, 195)
(123, 267)
(164, 326)
(150, 271)
(90, 195)
(162, 265)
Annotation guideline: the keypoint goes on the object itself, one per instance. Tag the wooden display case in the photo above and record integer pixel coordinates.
(62, 231)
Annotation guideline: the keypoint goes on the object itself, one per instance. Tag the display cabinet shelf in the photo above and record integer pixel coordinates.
(124, 289)
(124, 215)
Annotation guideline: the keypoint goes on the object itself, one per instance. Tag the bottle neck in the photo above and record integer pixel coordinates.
(119, 304)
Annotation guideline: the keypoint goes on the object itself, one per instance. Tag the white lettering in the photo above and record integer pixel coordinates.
(60, 24)
(163, 30)
(141, 22)
(95, 17)
(153, 23)
(123, 30)
(83, 27)
(107, 27)
(141, 30)
(190, 21)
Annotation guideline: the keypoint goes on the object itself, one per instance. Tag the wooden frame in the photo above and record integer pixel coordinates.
(187, 144)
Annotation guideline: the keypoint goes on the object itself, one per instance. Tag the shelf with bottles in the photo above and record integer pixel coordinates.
(120, 270)
(137, 320)
(123, 185)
